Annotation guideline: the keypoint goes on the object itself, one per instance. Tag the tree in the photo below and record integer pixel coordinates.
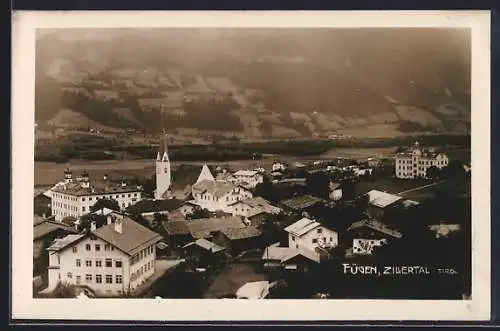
(318, 185)
(199, 213)
(433, 172)
(105, 203)
(267, 190)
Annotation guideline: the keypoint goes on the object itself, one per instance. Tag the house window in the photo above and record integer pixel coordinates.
(315, 241)
(87, 247)
(98, 263)
(90, 198)
(293, 238)
(88, 278)
(97, 247)
(118, 263)
(83, 209)
(107, 247)
(88, 263)
(118, 279)
(320, 230)
(78, 280)
(83, 199)
(75, 249)
(98, 279)
(109, 263)
(70, 275)
(109, 279)
(78, 263)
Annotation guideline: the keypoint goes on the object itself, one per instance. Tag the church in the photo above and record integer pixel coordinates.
(203, 190)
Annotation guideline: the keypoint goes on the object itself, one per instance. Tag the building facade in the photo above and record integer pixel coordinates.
(216, 195)
(112, 260)
(414, 162)
(74, 197)
(309, 234)
(248, 178)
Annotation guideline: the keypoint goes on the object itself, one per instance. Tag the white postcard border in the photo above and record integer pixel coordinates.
(25, 307)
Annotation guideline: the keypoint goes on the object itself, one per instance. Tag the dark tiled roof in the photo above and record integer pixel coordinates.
(201, 228)
(216, 188)
(133, 237)
(176, 227)
(44, 228)
(96, 188)
(301, 202)
(241, 233)
(148, 205)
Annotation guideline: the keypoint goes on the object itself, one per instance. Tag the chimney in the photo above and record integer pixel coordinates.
(124, 183)
(118, 226)
(93, 226)
(105, 177)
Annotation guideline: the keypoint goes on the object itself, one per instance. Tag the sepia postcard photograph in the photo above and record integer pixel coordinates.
(251, 166)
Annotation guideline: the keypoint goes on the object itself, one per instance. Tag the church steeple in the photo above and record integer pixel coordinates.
(163, 176)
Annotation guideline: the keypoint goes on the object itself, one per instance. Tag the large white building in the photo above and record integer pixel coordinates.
(74, 197)
(414, 162)
(111, 260)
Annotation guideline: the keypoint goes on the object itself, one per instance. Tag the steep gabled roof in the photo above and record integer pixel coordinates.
(382, 199)
(132, 238)
(302, 226)
(313, 256)
(205, 175)
(205, 244)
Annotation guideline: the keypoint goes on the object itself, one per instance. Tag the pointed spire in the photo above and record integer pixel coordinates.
(163, 138)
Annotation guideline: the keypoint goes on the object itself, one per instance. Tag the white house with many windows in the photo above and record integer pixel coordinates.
(309, 234)
(218, 195)
(248, 178)
(75, 197)
(112, 260)
(414, 162)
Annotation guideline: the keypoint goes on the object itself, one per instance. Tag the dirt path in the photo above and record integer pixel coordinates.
(421, 187)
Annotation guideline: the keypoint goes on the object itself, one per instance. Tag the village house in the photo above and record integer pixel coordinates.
(239, 239)
(381, 203)
(177, 233)
(252, 207)
(335, 189)
(311, 235)
(248, 178)
(289, 258)
(215, 195)
(203, 252)
(278, 166)
(112, 260)
(368, 234)
(44, 233)
(107, 95)
(373, 162)
(414, 162)
(303, 204)
(74, 198)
